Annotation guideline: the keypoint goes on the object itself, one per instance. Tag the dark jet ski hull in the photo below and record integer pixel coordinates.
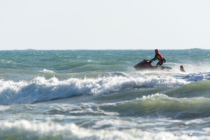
(146, 65)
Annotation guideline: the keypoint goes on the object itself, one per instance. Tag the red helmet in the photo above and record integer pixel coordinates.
(156, 50)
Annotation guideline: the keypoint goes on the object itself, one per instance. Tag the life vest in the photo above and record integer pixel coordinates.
(160, 57)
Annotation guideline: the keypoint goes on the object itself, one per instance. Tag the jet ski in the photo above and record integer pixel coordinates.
(146, 65)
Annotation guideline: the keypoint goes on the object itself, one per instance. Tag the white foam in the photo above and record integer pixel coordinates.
(157, 95)
(41, 89)
(90, 60)
(199, 76)
(4, 108)
(47, 71)
(23, 128)
(191, 77)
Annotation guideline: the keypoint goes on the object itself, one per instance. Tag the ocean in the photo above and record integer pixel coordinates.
(98, 95)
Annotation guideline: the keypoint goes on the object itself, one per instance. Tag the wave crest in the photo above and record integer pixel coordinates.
(41, 89)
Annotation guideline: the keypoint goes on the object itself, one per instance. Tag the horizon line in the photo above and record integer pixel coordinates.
(96, 49)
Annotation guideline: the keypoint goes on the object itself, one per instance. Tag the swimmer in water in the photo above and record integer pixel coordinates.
(182, 69)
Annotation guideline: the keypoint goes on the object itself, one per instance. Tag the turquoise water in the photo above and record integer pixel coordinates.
(97, 94)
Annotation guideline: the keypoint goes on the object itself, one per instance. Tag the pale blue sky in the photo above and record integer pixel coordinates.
(107, 24)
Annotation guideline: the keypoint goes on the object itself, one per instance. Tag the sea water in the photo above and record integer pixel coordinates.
(98, 95)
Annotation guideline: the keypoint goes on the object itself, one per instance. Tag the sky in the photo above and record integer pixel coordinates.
(104, 24)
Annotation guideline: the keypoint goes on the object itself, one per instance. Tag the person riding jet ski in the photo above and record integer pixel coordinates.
(146, 65)
(159, 57)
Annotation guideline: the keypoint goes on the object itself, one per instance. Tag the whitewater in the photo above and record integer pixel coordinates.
(97, 94)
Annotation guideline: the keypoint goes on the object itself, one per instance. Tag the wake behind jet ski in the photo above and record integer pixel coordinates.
(146, 65)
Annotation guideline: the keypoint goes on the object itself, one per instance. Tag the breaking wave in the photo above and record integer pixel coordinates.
(23, 129)
(42, 89)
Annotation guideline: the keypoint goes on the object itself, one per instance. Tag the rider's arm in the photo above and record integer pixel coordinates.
(154, 57)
